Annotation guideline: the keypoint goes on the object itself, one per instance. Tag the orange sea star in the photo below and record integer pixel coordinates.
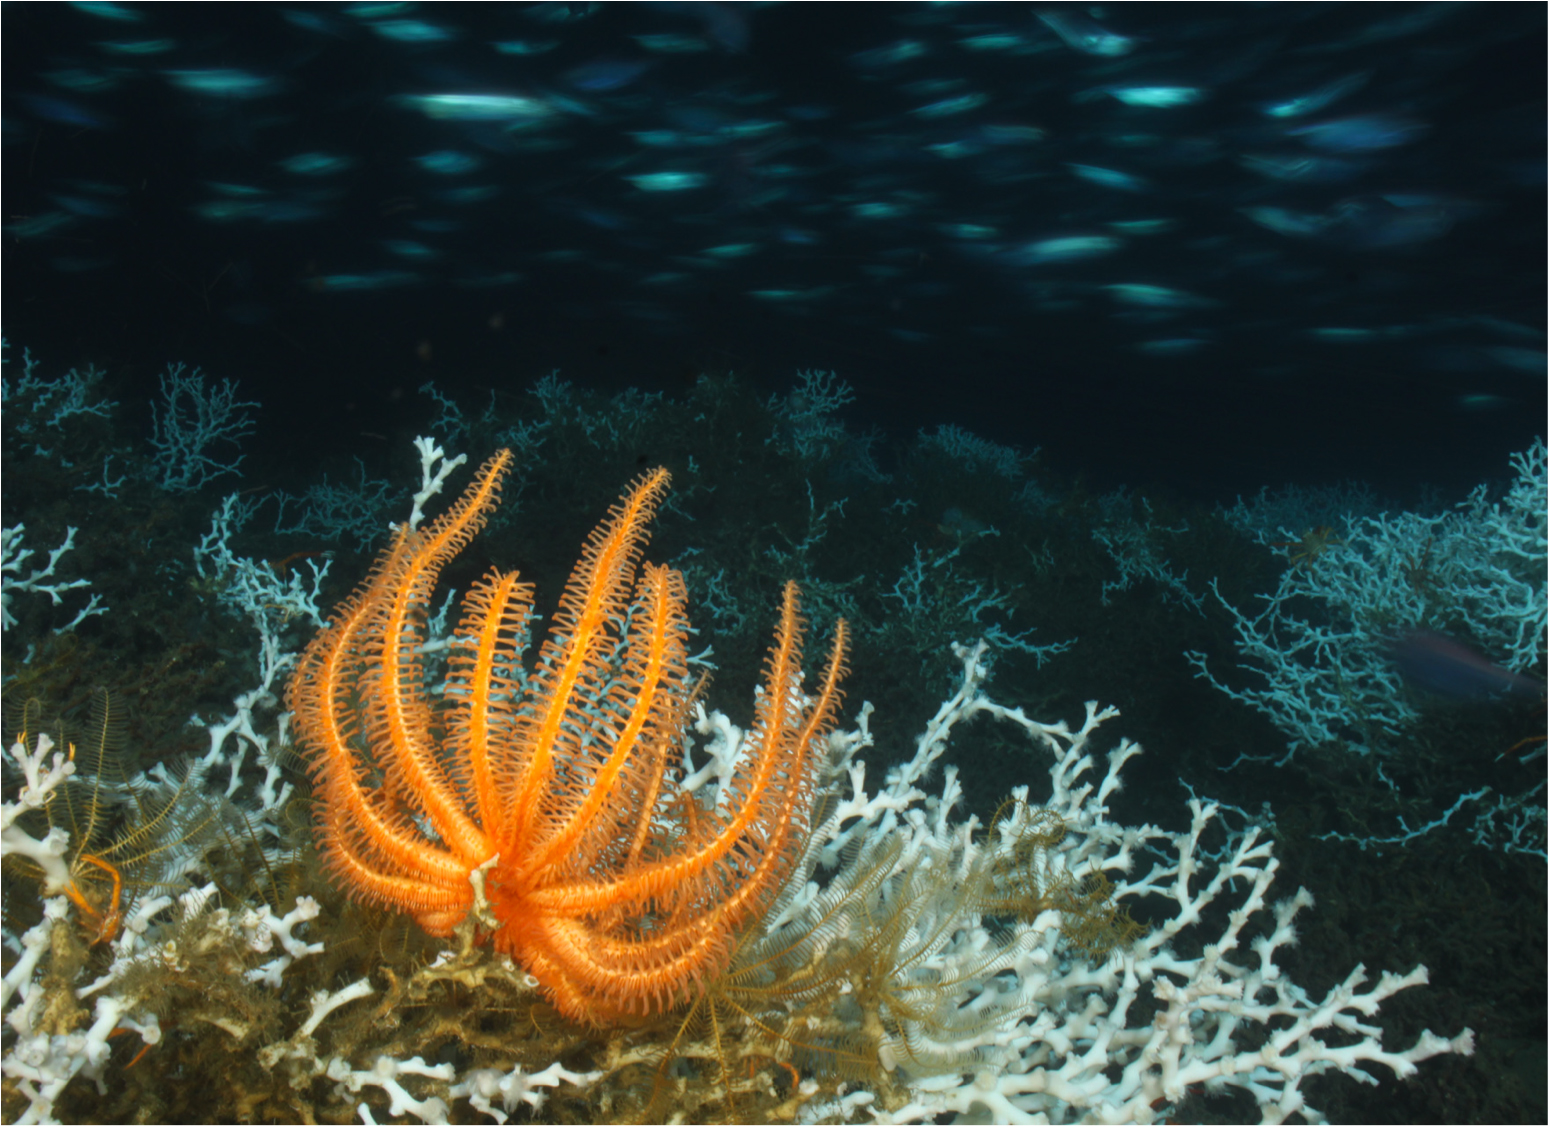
(552, 792)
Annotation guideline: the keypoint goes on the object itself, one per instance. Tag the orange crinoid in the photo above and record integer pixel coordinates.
(546, 802)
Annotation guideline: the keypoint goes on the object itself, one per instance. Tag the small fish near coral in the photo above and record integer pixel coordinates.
(1443, 665)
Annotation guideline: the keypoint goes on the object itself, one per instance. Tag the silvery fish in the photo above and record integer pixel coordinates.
(1446, 666)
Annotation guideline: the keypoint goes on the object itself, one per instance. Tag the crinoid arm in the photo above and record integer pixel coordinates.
(377, 767)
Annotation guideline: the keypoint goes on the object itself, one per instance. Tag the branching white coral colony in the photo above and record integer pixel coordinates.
(916, 966)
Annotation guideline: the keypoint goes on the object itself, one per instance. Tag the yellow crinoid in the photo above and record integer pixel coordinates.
(547, 800)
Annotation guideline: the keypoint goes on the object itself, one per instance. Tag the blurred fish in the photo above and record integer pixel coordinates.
(601, 75)
(316, 164)
(1086, 35)
(117, 13)
(1176, 346)
(667, 181)
(448, 162)
(1531, 361)
(411, 31)
(1391, 220)
(1108, 177)
(1155, 297)
(1365, 221)
(916, 173)
(63, 112)
(478, 107)
(1068, 248)
(878, 58)
(1479, 404)
(1301, 168)
(669, 44)
(727, 25)
(525, 46)
(377, 280)
(139, 47)
(948, 107)
(1443, 665)
(1361, 134)
(1151, 97)
(1320, 98)
(223, 82)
